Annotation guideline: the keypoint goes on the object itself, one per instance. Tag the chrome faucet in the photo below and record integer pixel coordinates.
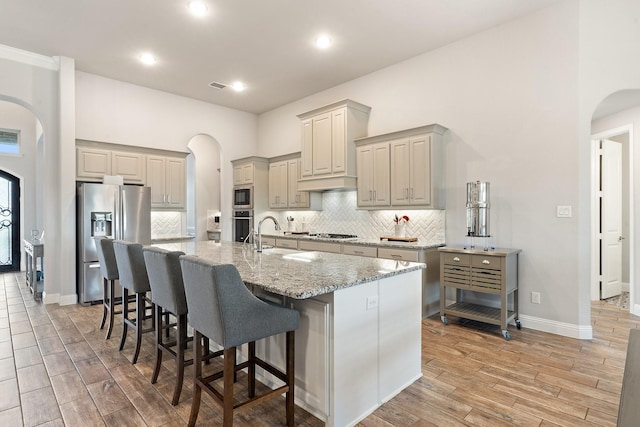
(259, 239)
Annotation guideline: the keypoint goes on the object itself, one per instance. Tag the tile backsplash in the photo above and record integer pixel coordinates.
(340, 215)
(168, 223)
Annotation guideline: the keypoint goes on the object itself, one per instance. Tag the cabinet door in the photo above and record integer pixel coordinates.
(92, 163)
(364, 168)
(156, 180)
(238, 177)
(381, 174)
(247, 173)
(322, 144)
(400, 173)
(307, 148)
(297, 199)
(338, 141)
(128, 165)
(278, 185)
(175, 183)
(420, 170)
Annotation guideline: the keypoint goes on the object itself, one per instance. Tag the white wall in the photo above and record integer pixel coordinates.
(16, 117)
(608, 60)
(122, 113)
(509, 97)
(34, 81)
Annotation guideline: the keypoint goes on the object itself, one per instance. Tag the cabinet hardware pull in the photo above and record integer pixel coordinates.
(370, 195)
(396, 256)
(486, 261)
(456, 259)
(412, 192)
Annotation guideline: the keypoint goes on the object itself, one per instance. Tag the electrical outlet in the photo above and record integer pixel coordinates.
(372, 302)
(535, 297)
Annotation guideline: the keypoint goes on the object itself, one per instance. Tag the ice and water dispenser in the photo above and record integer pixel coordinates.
(101, 224)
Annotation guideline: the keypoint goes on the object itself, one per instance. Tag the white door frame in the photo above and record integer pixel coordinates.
(595, 217)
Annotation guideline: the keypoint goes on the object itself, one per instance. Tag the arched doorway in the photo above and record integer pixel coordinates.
(9, 222)
(614, 125)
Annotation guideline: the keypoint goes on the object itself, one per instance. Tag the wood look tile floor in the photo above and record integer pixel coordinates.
(57, 369)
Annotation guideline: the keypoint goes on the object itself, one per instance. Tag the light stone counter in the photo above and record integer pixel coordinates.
(292, 273)
(357, 241)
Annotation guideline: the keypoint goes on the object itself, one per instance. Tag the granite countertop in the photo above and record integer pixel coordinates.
(292, 273)
(171, 237)
(357, 241)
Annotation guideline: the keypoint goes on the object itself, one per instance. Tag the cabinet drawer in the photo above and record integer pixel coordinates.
(269, 241)
(455, 259)
(457, 276)
(360, 250)
(399, 254)
(305, 245)
(486, 261)
(287, 243)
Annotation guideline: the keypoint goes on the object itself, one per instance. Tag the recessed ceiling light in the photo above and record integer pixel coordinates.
(323, 42)
(198, 8)
(238, 86)
(148, 59)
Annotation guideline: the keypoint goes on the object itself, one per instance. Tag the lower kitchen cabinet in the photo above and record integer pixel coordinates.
(492, 272)
(309, 245)
(360, 250)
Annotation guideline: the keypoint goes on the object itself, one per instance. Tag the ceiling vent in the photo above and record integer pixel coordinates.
(217, 85)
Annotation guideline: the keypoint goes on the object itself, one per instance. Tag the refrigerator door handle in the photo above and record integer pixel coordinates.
(117, 208)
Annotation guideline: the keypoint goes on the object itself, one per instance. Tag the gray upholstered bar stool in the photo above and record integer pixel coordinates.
(133, 278)
(167, 293)
(109, 271)
(222, 308)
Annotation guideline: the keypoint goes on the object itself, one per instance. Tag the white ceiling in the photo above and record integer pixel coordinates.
(267, 44)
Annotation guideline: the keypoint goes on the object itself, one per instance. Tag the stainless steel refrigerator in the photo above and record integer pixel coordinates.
(117, 211)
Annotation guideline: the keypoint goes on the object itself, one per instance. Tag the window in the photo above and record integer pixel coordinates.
(9, 141)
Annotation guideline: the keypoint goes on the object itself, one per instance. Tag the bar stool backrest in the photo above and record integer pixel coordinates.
(107, 258)
(165, 278)
(133, 272)
(223, 309)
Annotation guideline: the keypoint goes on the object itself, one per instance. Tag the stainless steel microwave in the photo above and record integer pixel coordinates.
(243, 197)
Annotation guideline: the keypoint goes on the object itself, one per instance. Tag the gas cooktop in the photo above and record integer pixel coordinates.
(333, 236)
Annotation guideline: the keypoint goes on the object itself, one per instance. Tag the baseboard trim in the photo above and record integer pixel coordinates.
(68, 299)
(50, 298)
(582, 332)
(636, 309)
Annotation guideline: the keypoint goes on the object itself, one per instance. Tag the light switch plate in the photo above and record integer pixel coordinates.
(563, 211)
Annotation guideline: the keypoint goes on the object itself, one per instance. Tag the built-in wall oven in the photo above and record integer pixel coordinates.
(243, 197)
(242, 225)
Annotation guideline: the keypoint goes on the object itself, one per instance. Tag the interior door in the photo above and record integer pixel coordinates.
(611, 223)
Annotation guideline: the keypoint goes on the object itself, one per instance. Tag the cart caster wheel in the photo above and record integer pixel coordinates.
(444, 320)
(506, 335)
(518, 325)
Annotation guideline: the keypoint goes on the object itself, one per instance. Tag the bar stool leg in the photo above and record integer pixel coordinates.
(291, 374)
(105, 302)
(197, 375)
(125, 317)
(140, 315)
(180, 346)
(251, 371)
(228, 379)
(156, 369)
(112, 292)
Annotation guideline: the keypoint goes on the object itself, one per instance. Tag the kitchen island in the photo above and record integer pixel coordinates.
(359, 340)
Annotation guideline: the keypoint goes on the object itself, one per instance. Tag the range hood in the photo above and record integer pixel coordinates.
(327, 183)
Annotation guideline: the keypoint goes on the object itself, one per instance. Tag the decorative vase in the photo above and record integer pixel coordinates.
(399, 229)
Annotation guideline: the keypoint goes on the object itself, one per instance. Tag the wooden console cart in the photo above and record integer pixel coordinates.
(33, 252)
(488, 272)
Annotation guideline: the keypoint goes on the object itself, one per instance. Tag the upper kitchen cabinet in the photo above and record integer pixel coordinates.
(284, 193)
(373, 174)
(249, 170)
(167, 178)
(328, 159)
(92, 164)
(415, 167)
